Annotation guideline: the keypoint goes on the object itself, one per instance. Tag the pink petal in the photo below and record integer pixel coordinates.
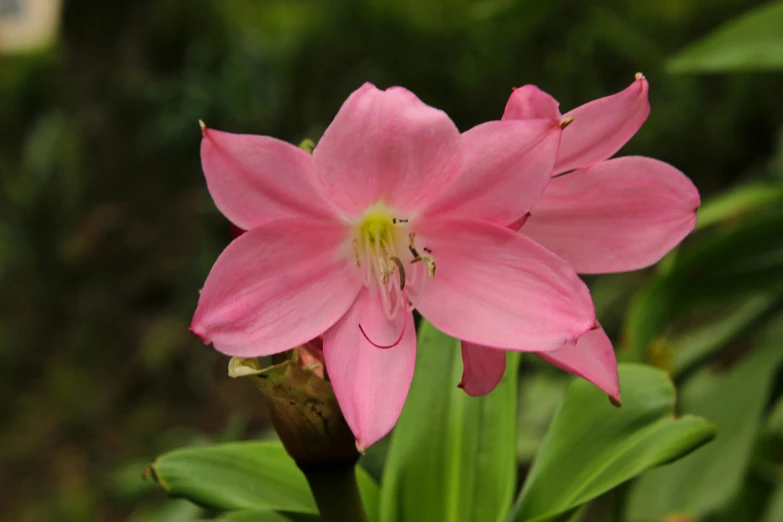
(591, 358)
(257, 179)
(602, 126)
(529, 103)
(277, 287)
(370, 383)
(508, 164)
(498, 288)
(483, 368)
(619, 215)
(389, 146)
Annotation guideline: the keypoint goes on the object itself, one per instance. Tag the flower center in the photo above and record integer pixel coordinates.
(389, 260)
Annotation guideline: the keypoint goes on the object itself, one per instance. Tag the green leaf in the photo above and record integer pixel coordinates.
(245, 476)
(452, 456)
(592, 447)
(697, 344)
(738, 202)
(774, 511)
(174, 511)
(370, 492)
(753, 41)
(706, 481)
(775, 419)
(256, 516)
(750, 254)
(540, 396)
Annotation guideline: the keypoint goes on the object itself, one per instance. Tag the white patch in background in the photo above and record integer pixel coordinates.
(28, 25)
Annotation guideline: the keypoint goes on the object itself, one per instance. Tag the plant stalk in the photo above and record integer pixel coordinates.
(336, 491)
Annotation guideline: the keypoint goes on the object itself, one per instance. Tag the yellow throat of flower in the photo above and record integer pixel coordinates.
(377, 227)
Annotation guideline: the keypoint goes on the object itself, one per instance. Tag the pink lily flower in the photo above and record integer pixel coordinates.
(601, 215)
(394, 210)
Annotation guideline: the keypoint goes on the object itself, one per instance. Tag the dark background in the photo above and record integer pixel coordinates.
(107, 230)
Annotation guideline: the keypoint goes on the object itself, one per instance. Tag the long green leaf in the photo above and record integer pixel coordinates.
(592, 447)
(452, 457)
(774, 511)
(697, 344)
(750, 254)
(738, 202)
(256, 516)
(172, 511)
(245, 476)
(775, 419)
(753, 41)
(706, 481)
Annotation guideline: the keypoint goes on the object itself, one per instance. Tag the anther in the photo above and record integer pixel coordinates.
(356, 252)
(203, 126)
(384, 270)
(638, 76)
(402, 271)
(426, 258)
(429, 261)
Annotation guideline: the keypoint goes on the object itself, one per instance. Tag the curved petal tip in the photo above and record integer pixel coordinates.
(200, 332)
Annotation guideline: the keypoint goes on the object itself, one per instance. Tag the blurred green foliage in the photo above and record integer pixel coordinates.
(750, 42)
(454, 462)
(107, 231)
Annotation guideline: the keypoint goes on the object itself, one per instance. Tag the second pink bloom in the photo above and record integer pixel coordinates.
(601, 215)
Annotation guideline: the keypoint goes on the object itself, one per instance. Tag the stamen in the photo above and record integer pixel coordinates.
(379, 253)
(402, 332)
(356, 252)
(402, 271)
(396, 296)
(429, 261)
(384, 270)
(427, 258)
(388, 306)
(411, 246)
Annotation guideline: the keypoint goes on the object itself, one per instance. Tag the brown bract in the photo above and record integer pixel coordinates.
(304, 411)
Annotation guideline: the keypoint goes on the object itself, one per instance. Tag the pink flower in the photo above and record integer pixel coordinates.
(601, 215)
(395, 210)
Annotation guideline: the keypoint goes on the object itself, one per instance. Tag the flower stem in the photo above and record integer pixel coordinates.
(336, 491)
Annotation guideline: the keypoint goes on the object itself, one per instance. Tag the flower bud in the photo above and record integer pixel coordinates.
(303, 407)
